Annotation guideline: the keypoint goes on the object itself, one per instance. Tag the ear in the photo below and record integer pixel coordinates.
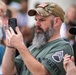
(57, 21)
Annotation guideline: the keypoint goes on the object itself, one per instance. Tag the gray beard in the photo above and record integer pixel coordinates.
(41, 39)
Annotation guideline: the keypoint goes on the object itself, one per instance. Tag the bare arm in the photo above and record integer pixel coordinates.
(72, 71)
(8, 63)
(35, 67)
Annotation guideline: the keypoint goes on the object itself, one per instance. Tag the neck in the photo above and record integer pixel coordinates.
(54, 37)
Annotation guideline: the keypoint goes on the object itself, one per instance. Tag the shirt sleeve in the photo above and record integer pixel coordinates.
(19, 64)
(53, 61)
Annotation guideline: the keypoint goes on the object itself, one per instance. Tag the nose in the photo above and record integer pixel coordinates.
(37, 23)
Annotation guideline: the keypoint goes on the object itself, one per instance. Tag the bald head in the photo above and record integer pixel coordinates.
(73, 6)
(70, 14)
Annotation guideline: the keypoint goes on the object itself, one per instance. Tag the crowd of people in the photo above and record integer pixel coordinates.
(39, 50)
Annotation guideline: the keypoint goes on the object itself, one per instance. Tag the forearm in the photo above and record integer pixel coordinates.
(72, 71)
(35, 67)
(8, 63)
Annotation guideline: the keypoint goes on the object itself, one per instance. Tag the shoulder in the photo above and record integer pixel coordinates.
(61, 45)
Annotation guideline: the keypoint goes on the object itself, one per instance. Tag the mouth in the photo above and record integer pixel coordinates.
(39, 30)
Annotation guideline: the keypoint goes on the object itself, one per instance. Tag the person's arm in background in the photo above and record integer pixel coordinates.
(8, 63)
(69, 65)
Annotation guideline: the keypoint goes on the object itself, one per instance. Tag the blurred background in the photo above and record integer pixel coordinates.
(15, 4)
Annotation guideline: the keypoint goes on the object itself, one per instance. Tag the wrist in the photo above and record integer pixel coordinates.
(10, 47)
(71, 70)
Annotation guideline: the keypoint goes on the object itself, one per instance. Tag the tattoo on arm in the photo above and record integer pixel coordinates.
(13, 56)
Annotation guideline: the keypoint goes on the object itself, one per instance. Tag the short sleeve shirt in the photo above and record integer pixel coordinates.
(49, 55)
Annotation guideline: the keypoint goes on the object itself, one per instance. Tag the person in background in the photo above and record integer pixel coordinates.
(28, 34)
(69, 65)
(70, 15)
(70, 21)
(2, 6)
(70, 61)
(45, 55)
(36, 4)
(22, 17)
(3, 9)
(5, 22)
(2, 50)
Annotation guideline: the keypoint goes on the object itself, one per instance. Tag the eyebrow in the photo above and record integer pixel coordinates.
(41, 18)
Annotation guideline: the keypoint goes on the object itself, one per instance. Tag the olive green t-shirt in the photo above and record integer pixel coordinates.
(49, 55)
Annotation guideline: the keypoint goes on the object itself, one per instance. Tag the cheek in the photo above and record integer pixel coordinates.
(45, 27)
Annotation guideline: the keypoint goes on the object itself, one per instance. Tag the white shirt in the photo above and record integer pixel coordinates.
(63, 31)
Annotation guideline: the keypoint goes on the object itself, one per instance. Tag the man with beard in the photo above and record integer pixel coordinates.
(70, 62)
(70, 19)
(45, 55)
(70, 22)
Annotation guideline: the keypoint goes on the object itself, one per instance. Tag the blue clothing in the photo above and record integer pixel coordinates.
(2, 50)
(2, 33)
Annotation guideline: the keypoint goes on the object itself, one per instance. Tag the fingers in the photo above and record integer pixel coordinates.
(66, 56)
(5, 27)
(8, 33)
(11, 30)
(66, 59)
(72, 58)
(18, 31)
